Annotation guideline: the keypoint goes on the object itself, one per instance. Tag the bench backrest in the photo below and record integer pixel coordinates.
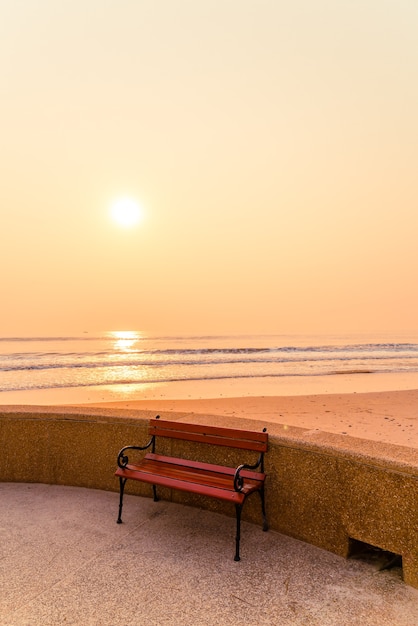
(215, 435)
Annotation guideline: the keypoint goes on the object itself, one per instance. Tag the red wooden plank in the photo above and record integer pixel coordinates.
(173, 483)
(231, 433)
(212, 440)
(229, 471)
(194, 475)
(233, 438)
(188, 476)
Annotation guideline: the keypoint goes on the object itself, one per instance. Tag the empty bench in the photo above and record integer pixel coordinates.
(230, 484)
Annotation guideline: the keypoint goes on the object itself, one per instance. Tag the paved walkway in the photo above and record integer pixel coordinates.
(64, 560)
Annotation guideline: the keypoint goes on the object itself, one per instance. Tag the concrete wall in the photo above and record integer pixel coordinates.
(323, 489)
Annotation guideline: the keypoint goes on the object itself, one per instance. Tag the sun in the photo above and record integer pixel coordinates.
(126, 212)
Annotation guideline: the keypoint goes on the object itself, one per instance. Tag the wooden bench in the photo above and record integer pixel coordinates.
(231, 484)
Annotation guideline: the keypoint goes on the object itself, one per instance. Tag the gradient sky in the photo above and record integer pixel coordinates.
(272, 144)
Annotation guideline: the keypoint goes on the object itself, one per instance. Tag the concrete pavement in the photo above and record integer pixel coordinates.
(64, 560)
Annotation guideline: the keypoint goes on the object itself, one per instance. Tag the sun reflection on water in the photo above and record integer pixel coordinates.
(125, 340)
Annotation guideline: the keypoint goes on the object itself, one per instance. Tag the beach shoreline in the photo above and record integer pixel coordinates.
(199, 389)
(380, 407)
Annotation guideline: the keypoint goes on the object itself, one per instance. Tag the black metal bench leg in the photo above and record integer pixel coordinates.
(154, 491)
(263, 510)
(122, 482)
(238, 509)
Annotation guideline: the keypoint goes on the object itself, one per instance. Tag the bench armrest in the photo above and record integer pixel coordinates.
(238, 480)
(123, 458)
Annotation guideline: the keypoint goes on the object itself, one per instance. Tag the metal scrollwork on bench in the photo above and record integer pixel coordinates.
(238, 479)
(123, 458)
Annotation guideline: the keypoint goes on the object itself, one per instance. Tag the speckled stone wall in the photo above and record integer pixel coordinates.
(323, 489)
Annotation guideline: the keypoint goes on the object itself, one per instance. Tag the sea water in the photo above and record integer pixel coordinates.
(118, 365)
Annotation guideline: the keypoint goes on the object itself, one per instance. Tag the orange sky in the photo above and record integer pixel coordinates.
(273, 146)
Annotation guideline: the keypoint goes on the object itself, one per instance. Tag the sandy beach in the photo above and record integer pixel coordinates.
(381, 407)
(387, 416)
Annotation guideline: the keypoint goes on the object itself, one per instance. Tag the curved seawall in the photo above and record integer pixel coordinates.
(326, 489)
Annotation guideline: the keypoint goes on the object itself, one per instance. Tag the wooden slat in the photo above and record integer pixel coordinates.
(230, 433)
(221, 469)
(177, 482)
(200, 475)
(233, 438)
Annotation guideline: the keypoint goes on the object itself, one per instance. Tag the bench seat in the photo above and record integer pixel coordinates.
(215, 481)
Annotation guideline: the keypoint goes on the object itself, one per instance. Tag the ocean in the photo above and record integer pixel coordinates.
(119, 365)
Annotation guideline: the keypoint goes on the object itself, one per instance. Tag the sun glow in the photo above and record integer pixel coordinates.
(126, 212)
